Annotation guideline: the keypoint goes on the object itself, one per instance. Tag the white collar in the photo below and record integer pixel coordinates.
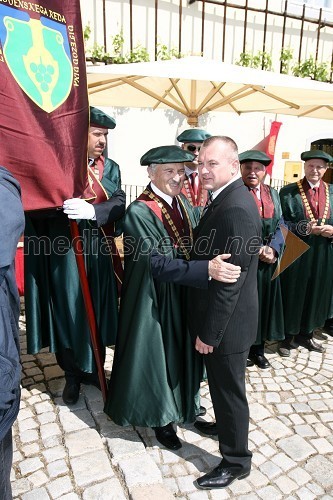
(188, 171)
(162, 195)
(314, 185)
(218, 191)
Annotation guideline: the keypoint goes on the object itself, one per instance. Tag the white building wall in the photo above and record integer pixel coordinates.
(139, 130)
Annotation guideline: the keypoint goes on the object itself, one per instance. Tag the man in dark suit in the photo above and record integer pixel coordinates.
(223, 321)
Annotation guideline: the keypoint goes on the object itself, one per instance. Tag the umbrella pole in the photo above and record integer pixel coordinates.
(95, 340)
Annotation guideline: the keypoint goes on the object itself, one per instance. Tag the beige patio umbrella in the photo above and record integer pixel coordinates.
(194, 86)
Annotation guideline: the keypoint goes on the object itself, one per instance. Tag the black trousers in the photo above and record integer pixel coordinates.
(226, 379)
(73, 374)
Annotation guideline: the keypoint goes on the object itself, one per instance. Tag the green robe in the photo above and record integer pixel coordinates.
(55, 311)
(307, 284)
(156, 371)
(270, 325)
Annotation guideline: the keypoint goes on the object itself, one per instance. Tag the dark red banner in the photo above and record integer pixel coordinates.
(44, 112)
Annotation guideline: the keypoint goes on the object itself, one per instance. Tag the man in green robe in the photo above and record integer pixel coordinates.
(307, 284)
(270, 326)
(156, 372)
(55, 310)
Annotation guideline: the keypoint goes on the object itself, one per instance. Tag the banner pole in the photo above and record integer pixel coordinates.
(95, 340)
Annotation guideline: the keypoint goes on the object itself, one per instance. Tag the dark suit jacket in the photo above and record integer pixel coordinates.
(226, 316)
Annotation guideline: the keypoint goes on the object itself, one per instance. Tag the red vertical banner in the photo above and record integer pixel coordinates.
(44, 112)
(271, 144)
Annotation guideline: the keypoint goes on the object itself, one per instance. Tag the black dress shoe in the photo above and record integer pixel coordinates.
(249, 363)
(260, 361)
(71, 393)
(310, 344)
(221, 477)
(208, 428)
(167, 436)
(202, 412)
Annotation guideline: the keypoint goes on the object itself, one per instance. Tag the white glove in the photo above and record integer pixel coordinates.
(76, 208)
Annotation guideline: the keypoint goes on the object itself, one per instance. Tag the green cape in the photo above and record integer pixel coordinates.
(307, 285)
(55, 311)
(270, 325)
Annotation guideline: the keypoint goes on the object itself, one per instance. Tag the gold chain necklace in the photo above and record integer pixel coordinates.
(175, 231)
(307, 205)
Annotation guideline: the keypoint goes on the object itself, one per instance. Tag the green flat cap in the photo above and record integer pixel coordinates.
(255, 155)
(316, 153)
(166, 154)
(98, 117)
(193, 135)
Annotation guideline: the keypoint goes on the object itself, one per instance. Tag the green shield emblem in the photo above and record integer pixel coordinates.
(37, 59)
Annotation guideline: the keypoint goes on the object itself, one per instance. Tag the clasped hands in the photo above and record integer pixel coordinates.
(76, 208)
(326, 230)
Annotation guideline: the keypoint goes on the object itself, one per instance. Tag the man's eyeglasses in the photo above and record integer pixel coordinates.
(192, 148)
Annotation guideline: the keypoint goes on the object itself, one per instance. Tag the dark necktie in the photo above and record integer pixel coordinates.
(208, 202)
(314, 201)
(176, 217)
(194, 184)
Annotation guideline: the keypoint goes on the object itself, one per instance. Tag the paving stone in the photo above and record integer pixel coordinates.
(36, 494)
(20, 486)
(50, 430)
(57, 468)
(270, 469)
(305, 494)
(46, 418)
(43, 407)
(320, 468)
(269, 493)
(275, 429)
(83, 441)
(30, 449)
(52, 454)
(322, 445)
(300, 476)
(30, 465)
(186, 484)
(283, 461)
(286, 485)
(38, 478)
(59, 487)
(122, 447)
(154, 491)
(296, 448)
(258, 412)
(110, 489)
(139, 470)
(74, 421)
(258, 437)
(91, 467)
(54, 371)
(29, 436)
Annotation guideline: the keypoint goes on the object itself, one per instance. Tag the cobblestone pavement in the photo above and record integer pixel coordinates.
(78, 453)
